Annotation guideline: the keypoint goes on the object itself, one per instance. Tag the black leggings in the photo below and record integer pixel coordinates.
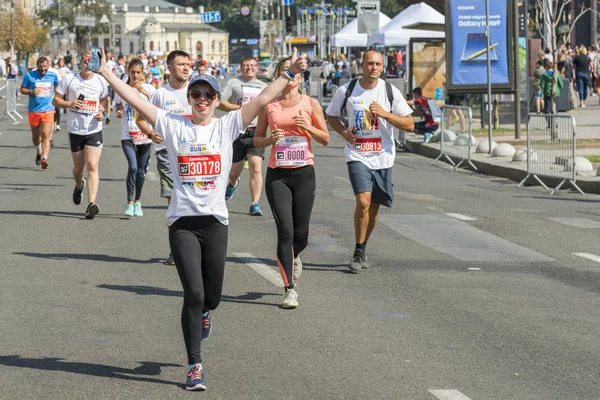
(137, 156)
(291, 195)
(199, 248)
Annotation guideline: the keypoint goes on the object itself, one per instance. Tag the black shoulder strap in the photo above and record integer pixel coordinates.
(349, 90)
(390, 93)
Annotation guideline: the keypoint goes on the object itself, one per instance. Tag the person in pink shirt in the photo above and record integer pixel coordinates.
(294, 120)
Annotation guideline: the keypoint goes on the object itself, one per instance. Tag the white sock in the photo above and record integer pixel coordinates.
(39, 148)
(44, 157)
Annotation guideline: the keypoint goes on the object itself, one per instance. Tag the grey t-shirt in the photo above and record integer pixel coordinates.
(241, 91)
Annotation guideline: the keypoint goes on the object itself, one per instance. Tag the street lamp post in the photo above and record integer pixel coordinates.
(12, 35)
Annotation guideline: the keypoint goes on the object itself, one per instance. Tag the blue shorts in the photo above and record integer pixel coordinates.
(537, 94)
(378, 182)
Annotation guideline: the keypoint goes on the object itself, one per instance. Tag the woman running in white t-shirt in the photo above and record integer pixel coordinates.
(136, 144)
(200, 151)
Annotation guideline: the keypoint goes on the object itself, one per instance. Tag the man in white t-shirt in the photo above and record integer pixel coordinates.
(238, 92)
(172, 98)
(370, 149)
(86, 95)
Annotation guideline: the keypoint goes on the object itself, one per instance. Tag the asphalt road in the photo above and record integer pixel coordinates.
(491, 303)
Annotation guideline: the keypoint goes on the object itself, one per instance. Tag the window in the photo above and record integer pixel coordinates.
(130, 47)
(151, 47)
(175, 46)
(159, 45)
(199, 47)
(212, 46)
(221, 47)
(118, 29)
(167, 45)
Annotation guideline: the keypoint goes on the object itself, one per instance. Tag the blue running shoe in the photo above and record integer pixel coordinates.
(256, 210)
(206, 325)
(230, 189)
(195, 378)
(427, 137)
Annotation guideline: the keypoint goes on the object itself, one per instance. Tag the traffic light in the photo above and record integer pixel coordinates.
(288, 24)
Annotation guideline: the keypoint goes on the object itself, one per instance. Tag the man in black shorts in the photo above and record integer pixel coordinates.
(87, 95)
(238, 92)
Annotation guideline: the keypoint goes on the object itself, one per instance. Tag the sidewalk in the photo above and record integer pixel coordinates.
(587, 122)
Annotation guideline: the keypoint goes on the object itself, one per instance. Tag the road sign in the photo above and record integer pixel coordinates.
(288, 2)
(367, 13)
(210, 16)
(245, 11)
(85, 20)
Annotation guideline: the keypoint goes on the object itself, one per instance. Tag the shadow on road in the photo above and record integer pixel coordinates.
(248, 298)
(90, 257)
(60, 214)
(104, 371)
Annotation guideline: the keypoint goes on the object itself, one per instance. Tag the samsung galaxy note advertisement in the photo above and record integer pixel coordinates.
(466, 34)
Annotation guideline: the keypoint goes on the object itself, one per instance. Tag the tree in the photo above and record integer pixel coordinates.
(27, 33)
(62, 15)
(547, 25)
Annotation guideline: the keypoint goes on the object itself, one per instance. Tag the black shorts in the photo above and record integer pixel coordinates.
(376, 181)
(78, 142)
(245, 145)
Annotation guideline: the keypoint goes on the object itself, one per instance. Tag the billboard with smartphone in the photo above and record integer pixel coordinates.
(467, 45)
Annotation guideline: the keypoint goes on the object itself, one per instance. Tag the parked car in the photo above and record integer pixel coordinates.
(265, 70)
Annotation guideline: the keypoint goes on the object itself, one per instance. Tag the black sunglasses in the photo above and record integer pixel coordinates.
(210, 94)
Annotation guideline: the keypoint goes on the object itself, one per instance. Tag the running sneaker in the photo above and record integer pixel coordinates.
(137, 210)
(195, 378)
(170, 260)
(38, 159)
(427, 137)
(255, 210)
(44, 163)
(58, 127)
(78, 194)
(356, 264)
(206, 325)
(297, 268)
(290, 299)
(91, 211)
(230, 189)
(128, 210)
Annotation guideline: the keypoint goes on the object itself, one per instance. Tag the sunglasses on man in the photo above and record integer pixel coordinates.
(209, 94)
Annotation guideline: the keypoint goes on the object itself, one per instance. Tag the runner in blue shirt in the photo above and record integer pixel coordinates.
(39, 84)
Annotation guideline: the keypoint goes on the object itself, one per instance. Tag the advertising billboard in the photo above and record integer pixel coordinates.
(427, 67)
(466, 43)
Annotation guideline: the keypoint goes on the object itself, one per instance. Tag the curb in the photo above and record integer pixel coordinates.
(502, 168)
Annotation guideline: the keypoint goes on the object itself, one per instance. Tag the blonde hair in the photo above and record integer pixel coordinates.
(582, 51)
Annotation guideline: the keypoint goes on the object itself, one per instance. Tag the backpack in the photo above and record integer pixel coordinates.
(350, 88)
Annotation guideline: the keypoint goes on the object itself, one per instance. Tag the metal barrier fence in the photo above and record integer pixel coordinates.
(551, 149)
(11, 100)
(458, 120)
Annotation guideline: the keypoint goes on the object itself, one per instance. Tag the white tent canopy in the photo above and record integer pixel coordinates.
(394, 33)
(348, 36)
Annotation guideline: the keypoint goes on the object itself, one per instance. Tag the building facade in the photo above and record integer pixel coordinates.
(136, 27)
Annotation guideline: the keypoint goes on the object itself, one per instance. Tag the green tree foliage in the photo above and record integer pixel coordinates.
(64, 17)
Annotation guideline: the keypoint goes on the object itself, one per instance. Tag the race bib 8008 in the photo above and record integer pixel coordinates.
(291, 151)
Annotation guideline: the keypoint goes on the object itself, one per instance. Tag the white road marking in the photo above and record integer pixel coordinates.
(443, 394)
(589, 256)
(339, 178)
(474, 269)
(461, 217)
(263, 269)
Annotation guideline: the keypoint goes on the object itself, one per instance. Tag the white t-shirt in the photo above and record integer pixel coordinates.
(120, 71)
(200, 158)
(171, 100)
(110, 64)
(130, 130)
(83, 121)
(63, 72)
(374, 145)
